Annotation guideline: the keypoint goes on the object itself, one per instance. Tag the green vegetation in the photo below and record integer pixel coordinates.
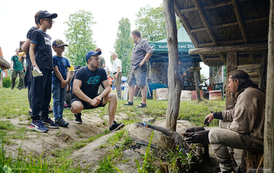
(79, 36)
(14, 104)
(6, 82)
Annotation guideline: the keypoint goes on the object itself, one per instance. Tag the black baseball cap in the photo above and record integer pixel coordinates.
(58, 43)
(46, 14)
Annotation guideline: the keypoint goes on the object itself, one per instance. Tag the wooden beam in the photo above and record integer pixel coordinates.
(239, 19)
(231, 64)
(233, 42)
(205, 21)
(230, 24)
(213, 59)
(220, 49)
(174, 85)
(186, 25)
(221, 4)
(269, 108)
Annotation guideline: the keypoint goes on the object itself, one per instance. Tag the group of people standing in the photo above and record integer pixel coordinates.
(49, 76)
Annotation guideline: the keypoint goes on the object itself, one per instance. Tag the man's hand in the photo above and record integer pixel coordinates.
(96, 101)
(208, 119)
(141, 63)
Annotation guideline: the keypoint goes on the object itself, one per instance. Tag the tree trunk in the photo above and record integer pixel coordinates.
(196, 77)
(174, 87)
(269, 108)
(231, 64)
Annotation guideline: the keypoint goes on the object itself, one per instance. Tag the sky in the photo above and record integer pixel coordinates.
(17, 17)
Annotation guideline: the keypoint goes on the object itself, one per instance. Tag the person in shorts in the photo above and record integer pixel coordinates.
(85, 87)
(140, 54)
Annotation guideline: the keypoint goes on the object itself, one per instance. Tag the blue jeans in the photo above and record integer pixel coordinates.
(58, 95)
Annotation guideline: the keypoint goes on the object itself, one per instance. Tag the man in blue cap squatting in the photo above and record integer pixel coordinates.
(85, 90)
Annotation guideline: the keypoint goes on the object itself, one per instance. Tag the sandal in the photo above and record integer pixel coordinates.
(128, 104)
(142, 105)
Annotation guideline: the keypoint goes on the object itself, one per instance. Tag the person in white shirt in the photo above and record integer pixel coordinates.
(117, 72)
(106, 68)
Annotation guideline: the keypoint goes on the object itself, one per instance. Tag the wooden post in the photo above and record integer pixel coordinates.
(262, 75)
(174, 85)
(195, 71)
(231, 64)
(269, 108)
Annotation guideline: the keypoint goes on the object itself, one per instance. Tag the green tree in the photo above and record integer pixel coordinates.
(123, 44)
(79, 37)
(151, 23)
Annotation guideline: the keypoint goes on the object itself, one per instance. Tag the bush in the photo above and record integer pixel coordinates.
(6, 82)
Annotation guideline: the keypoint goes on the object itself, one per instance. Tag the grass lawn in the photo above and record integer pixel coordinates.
(14, 104)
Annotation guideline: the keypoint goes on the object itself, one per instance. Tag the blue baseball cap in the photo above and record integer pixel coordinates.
(92, 53)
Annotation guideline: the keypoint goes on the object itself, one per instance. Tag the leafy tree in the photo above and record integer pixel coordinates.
(123, 44)
(151, 23)
(79, 36)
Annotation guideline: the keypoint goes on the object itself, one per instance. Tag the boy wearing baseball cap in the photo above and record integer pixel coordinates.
(85, 90)
(41, 60)
(60, 79)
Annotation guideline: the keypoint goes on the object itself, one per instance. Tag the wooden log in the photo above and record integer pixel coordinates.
(173, 56)
(269, 108)
(231, 64)
(220, 49)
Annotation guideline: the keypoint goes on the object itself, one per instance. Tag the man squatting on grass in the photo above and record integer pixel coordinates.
(246, 130)
(85, 90)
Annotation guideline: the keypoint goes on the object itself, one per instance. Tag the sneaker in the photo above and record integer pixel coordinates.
(115, 126)
(78, 119)
(38, 126)
(61, 122)
(48, 122)
(12, 87)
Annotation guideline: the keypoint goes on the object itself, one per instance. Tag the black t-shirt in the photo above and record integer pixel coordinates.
(29, 37)
(43, 53)
(91, 80)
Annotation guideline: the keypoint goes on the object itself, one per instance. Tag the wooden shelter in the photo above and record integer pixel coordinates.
(235, 33)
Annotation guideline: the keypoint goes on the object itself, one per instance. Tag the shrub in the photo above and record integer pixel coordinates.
(6, 82)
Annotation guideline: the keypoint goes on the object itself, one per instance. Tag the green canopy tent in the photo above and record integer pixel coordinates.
(160, 49)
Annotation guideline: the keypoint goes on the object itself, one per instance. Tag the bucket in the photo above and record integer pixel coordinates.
(215, 95)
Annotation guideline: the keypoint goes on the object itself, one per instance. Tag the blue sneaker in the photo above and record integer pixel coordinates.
(49, 123)
(38, 126)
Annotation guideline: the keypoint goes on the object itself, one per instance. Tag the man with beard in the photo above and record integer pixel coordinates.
(247, 121)
(85, 90)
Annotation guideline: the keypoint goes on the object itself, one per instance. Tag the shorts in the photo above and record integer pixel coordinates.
(86, 104)
(138, 76)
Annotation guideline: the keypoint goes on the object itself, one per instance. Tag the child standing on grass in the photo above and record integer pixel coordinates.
(41, 59)
(60, 79)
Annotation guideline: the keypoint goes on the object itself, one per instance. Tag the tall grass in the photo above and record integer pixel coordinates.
(14, 103)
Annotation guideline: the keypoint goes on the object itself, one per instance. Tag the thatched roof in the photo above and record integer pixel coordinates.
(3, 63)
(225, 23)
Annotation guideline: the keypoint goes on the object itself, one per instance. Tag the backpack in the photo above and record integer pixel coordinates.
(72, 79)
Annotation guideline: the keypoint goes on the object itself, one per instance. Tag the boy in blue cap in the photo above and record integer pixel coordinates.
(60, 79)
(85, 90)
(41, 59)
